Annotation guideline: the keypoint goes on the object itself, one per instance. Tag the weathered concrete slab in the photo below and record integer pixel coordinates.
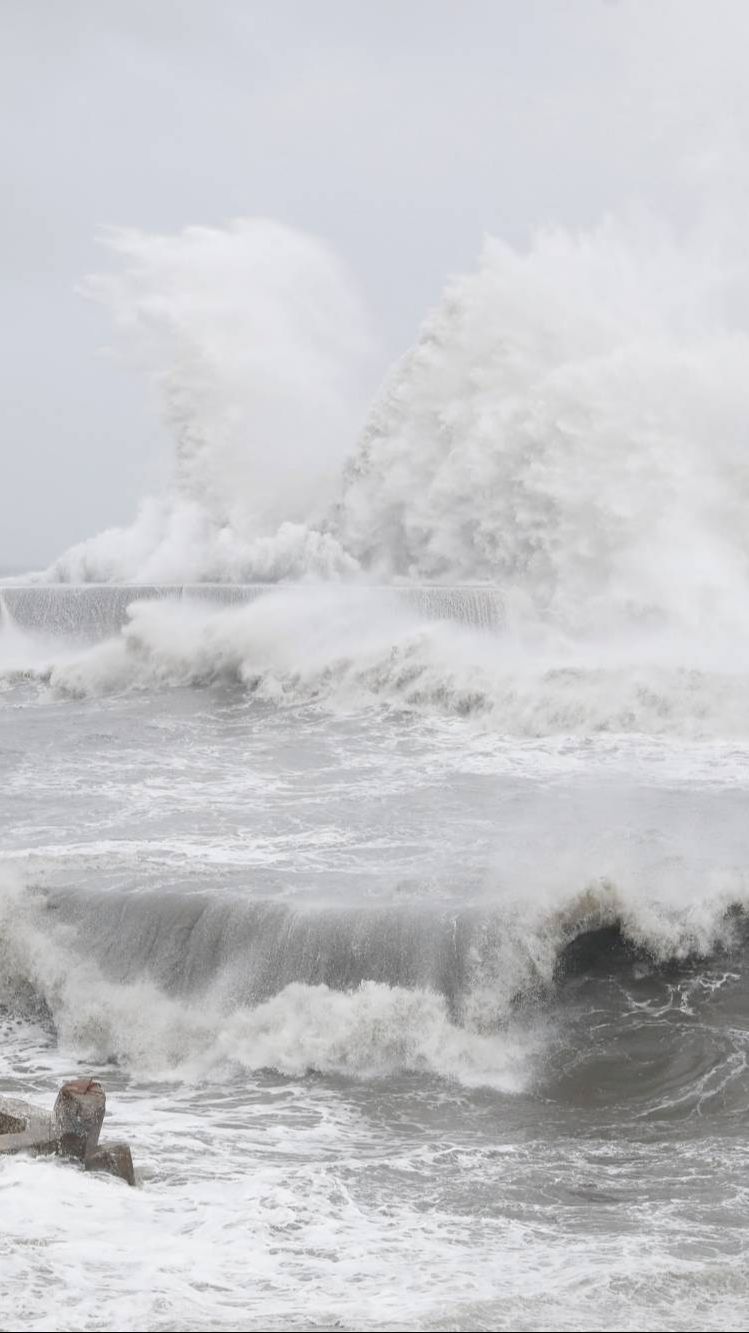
(78, 1116)
(13, 1115)
(25, 1127)
(113, 1158)
(72, 1130)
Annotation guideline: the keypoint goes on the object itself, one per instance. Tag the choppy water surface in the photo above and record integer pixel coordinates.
(413, 1017)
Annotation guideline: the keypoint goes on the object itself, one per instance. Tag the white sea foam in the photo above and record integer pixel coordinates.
(343, 649)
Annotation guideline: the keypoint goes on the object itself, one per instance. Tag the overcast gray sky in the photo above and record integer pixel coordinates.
(399, 130)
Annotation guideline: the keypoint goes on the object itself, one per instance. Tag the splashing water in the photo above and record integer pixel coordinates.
(256, 343)
(570, 426)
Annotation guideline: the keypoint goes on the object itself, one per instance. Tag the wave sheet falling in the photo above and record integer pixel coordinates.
(436, 651)
(94, 611)
(187, 986)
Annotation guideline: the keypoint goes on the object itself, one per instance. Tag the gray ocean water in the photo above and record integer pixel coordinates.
(420, 990)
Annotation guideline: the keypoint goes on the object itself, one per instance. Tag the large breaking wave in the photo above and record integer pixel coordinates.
(190, 986)
(569, 427)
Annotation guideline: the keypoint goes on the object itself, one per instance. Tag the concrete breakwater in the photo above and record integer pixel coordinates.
(70, 1131)
(97, 610)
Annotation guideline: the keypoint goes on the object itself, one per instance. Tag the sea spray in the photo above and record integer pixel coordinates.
(255, 341)
(569, 428)
(352, 648)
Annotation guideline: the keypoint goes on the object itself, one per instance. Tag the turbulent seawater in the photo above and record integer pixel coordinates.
(419, 1008)
(374, 817)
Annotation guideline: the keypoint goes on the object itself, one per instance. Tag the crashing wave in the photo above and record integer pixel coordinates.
(342, 648)
(570, 426)
(226, 983)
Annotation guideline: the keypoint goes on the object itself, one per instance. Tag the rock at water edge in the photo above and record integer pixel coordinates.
(114, 1158)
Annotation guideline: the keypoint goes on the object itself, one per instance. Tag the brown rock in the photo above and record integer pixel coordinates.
(78, 1116)
(72, 1130)
(114, 1158)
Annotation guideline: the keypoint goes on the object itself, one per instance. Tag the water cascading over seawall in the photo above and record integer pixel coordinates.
(94, 611)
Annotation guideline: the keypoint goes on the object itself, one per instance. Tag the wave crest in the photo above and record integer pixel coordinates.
(430, 995)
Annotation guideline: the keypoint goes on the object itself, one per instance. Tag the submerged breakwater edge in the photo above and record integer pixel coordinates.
(374, 815)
